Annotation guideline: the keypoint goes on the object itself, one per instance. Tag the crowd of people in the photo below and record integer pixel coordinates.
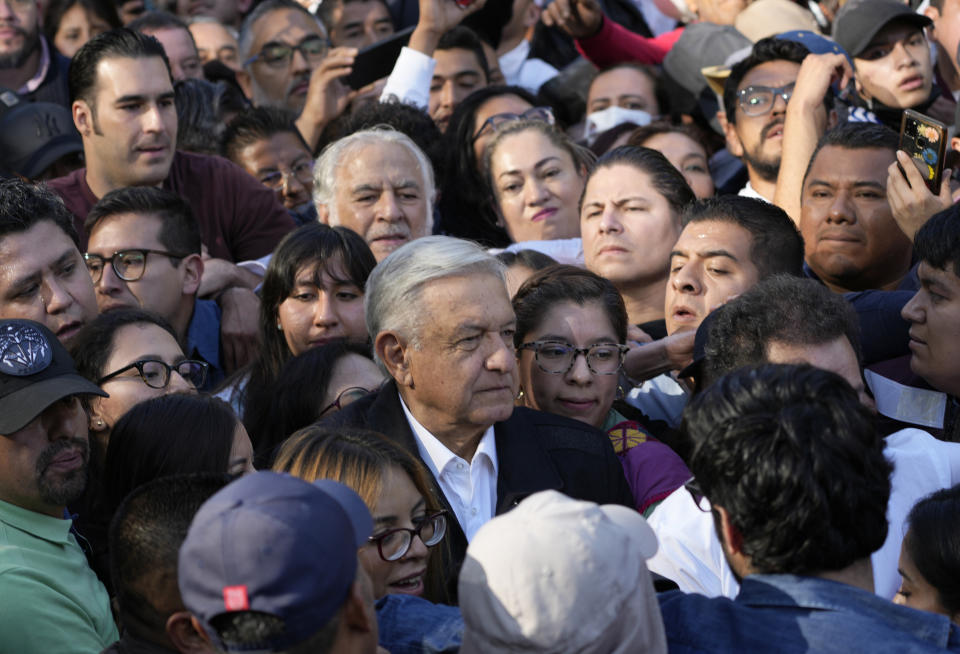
(588, 326)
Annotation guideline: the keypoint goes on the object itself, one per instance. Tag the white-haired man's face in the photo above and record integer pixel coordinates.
(380, 192)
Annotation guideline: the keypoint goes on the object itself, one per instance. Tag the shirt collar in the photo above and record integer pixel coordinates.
(437, 455)
(34, 82)
(55, 530)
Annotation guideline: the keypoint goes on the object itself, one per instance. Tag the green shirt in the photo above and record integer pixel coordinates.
(50, 599)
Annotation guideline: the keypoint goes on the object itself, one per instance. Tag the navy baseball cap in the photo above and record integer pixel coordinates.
(858, 21)
(275, 544)
(34, 135)
(35, 371)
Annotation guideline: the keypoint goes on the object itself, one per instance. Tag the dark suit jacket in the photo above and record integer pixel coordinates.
(535, 451)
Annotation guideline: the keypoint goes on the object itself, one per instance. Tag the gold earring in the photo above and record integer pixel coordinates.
(520, 394)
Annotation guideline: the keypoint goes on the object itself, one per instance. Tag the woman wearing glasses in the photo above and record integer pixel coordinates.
(134, 356)
(402, 556)
(536, 175)
(571, 329)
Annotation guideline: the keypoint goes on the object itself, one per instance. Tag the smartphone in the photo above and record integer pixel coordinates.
(925, 141)
(376, 61)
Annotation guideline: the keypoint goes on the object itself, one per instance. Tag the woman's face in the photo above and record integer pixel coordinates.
(241, 452)
(133, 343)
(688, 157)
(353, 377)
(915, 591)
(628, 227)
(321, 308)
(400, 505)
(578, 393)
(77, 26)
(501, 104)
(537, 186)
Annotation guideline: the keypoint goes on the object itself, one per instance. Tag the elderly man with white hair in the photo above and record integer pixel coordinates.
(378, 183)
(442, 327)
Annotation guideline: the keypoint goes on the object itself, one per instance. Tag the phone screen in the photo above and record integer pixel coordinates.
(924, 140)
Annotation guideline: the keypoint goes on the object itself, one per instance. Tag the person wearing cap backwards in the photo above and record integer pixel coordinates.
(42, 276)
(790, 471)
(892, 60)
(51, 601)
(270, 564)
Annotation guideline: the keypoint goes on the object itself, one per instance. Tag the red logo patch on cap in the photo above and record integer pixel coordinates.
(235, 598)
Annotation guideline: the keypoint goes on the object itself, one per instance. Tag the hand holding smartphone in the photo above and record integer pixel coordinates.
(925, 142)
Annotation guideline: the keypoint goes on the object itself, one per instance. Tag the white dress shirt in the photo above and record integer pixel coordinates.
(519, 69)
(470, 488)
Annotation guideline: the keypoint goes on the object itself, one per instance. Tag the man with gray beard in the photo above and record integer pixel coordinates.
(29, 66)
(51, 600)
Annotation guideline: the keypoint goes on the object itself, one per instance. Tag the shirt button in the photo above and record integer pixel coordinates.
(473, 510)
(460, 466)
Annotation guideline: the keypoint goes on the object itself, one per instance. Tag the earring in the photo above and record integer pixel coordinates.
(279, 326)
(621, 393)
(520, 394)
(98, 423)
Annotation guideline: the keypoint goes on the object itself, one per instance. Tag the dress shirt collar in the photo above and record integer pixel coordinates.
(437, 455)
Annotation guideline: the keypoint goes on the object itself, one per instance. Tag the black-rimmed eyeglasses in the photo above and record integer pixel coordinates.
(759, 100)
(346, 396)
(544, 114)
(313, 49)
(558, 358)
(129, 265)
(393, 544)
(156, 373)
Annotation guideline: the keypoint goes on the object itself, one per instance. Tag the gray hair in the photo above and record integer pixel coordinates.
(392, 298)
(325, 170)
(245, 40)
(210, 20)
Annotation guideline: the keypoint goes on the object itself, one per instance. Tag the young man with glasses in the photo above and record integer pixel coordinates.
(144, 252)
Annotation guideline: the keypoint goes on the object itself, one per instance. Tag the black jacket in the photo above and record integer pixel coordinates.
(535, 451)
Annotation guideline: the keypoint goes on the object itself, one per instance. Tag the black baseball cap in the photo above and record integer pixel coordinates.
(35, 371)
(858, 22)
(34, 135)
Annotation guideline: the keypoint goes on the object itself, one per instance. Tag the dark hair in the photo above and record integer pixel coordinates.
(145, 537)
(310, 244)
(938, 242)
(199, 115)
(294, 399)
(256, 631)
(254, 125)
(764, 51)
(659, 90)
(24, 204)
(167, 435)
(466, 209)
(795, 460)
(156, 20)
(105, 10)
(642, 134)
(933, 542)
(462, 37)
(405, 118)
(664, 176)
(179, 232)
(776, 246)
(530, 259)
(122, 42)
(781, 309)
(559, 283)
(855, 136)
(326, 9)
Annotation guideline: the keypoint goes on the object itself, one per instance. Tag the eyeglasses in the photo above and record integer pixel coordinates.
(759, 100)
(543, 114)
(346, 396)
(156, 374)
(558, 358)
(313, 48)
(693, 487)
(394, 544)
(129, 265)
(302, 172)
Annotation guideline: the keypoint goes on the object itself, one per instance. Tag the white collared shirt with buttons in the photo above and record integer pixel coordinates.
(471, 488)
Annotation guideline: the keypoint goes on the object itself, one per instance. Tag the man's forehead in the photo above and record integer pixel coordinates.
(707, 236)
(286, 25)
(942, 276)
(456, 61)
(851, 165)
(778, 72)
(377, 161)
(141, 76)
(360, 10)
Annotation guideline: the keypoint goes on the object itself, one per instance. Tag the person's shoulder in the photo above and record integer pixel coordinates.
(71, 183)
(558, 432)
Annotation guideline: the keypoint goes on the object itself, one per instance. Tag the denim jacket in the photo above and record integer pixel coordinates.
(412, 625)
(787, 613)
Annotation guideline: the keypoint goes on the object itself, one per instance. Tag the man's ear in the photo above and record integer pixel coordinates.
(862, 92)
(833, 119)
(733, 140)
(532, 17)
(356, 615)
(955, 143)
(323, 214)
(729, 534)
(186, 635)
(393, 352)
(82, 117)
(933, 14)
(193, 272)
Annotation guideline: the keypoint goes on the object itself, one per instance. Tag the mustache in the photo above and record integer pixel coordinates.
(769, 128)
(54, 449)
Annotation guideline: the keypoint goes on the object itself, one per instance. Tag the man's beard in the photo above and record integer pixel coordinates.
(767, 170)
(31, 41)
(68, 487)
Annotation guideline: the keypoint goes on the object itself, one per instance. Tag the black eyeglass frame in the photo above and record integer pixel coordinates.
(204, 370)
(577, 351)
(112, 260)
(533, 113)
(287, 58)
(439, 535)
(785, 92)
